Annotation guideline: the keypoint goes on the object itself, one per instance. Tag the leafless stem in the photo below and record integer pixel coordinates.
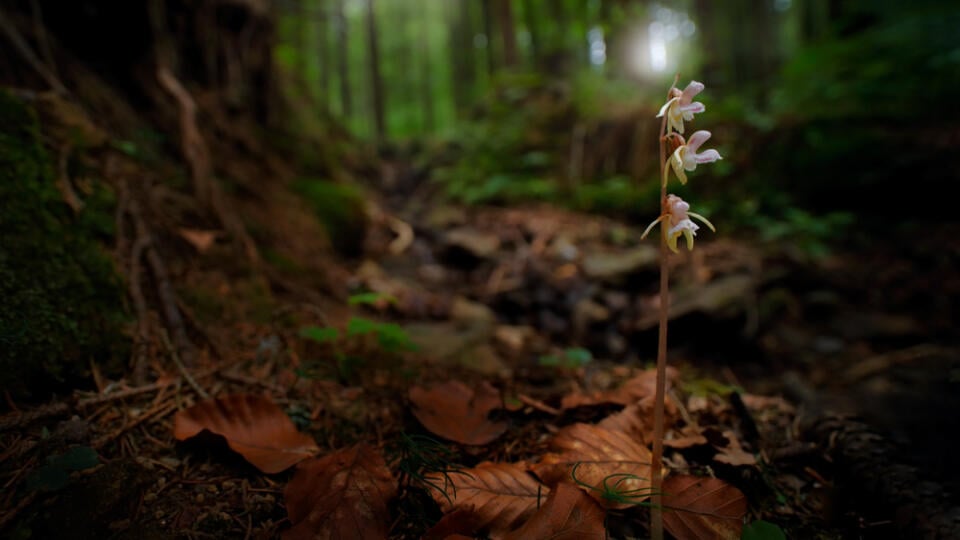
(656, 467)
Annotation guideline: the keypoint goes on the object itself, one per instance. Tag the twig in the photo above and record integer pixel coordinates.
(140, 307)
(26, 53)
(63, 180)
(24, 502)
(168, 298)
(537, 404)
(156, 412)
(183, 370)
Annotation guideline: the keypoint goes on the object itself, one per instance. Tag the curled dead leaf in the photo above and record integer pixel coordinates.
(612, 466)
(634, 389)
(200, 240)
(341, 495)
(698, 508)
(458, 412)
(499, 495)
(568, 514)
(253, 426)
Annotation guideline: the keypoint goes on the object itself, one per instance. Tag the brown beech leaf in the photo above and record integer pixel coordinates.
(734, 454)
(454, 524)
(568, 514)
(254, 427)
(341, 495)
(685, 437)
(699, 508)
(637, 420)
(200, 240)
(612, 463)
(458, 412)
(632, 390)
(501, 495)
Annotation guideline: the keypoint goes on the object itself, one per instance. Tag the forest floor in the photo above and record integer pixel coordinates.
(471, 347)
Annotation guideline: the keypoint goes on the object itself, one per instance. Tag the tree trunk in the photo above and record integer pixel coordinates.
(508, 32)
(376, 81)
(488, 32)
(343, 44)
(426, 77)
(532, 22)
(323, 54)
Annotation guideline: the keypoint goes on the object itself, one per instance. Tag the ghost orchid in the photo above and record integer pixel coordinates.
(685, 157)
(680, 107)
(677, 217)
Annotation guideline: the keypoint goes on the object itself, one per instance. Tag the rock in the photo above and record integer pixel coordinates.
(513, 338)
(612, 266)
(442, 217)
(562, 248)
(478, 244)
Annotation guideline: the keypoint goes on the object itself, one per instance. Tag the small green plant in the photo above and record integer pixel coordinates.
(571, 358)
(762, 530)
(611, 488)
(420, 455)
(349, 348)
(54, 475)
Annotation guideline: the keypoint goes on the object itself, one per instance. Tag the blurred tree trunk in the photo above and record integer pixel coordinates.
(376, 81)
(532, 22)
(323, 53)
(508, 32)
(343, 49)
(462, 55)
(489, 33)
(426, 75)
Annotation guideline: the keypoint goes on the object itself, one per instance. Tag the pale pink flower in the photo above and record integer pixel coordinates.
(685, 157)
(677, 217)
(681, 106)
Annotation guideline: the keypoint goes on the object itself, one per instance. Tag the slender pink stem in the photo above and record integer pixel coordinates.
(656, 465)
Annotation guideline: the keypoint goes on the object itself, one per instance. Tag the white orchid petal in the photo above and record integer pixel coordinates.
(666, 106)
(691, 90)
(698, 138)
(689, 110)
(707, 156)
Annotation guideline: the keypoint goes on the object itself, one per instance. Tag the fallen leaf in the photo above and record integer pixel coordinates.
(637, 420)
(253, 426)
(568, 514)
(615, 466)
(634, 389)
(341, 495)
(699, 508)
(685, 437)
(501, 495)
(458, 412)
(454, 524)
(200, 240)
(732, 453)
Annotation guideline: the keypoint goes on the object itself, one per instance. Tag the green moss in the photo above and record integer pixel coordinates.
(62, 302)
(340, 207)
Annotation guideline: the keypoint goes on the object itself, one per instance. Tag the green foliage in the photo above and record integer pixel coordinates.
(62, 299)
(341, 210)
(390, 336)
(811, 234)
(56, 472)
(349, 350)
(571, 358)
(370, 298)
(762, 530)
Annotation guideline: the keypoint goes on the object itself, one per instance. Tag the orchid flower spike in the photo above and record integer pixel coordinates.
(681, 107)
(685, 157)
(677, 217)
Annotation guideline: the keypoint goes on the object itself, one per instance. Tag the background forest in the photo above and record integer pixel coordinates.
(280, 269)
